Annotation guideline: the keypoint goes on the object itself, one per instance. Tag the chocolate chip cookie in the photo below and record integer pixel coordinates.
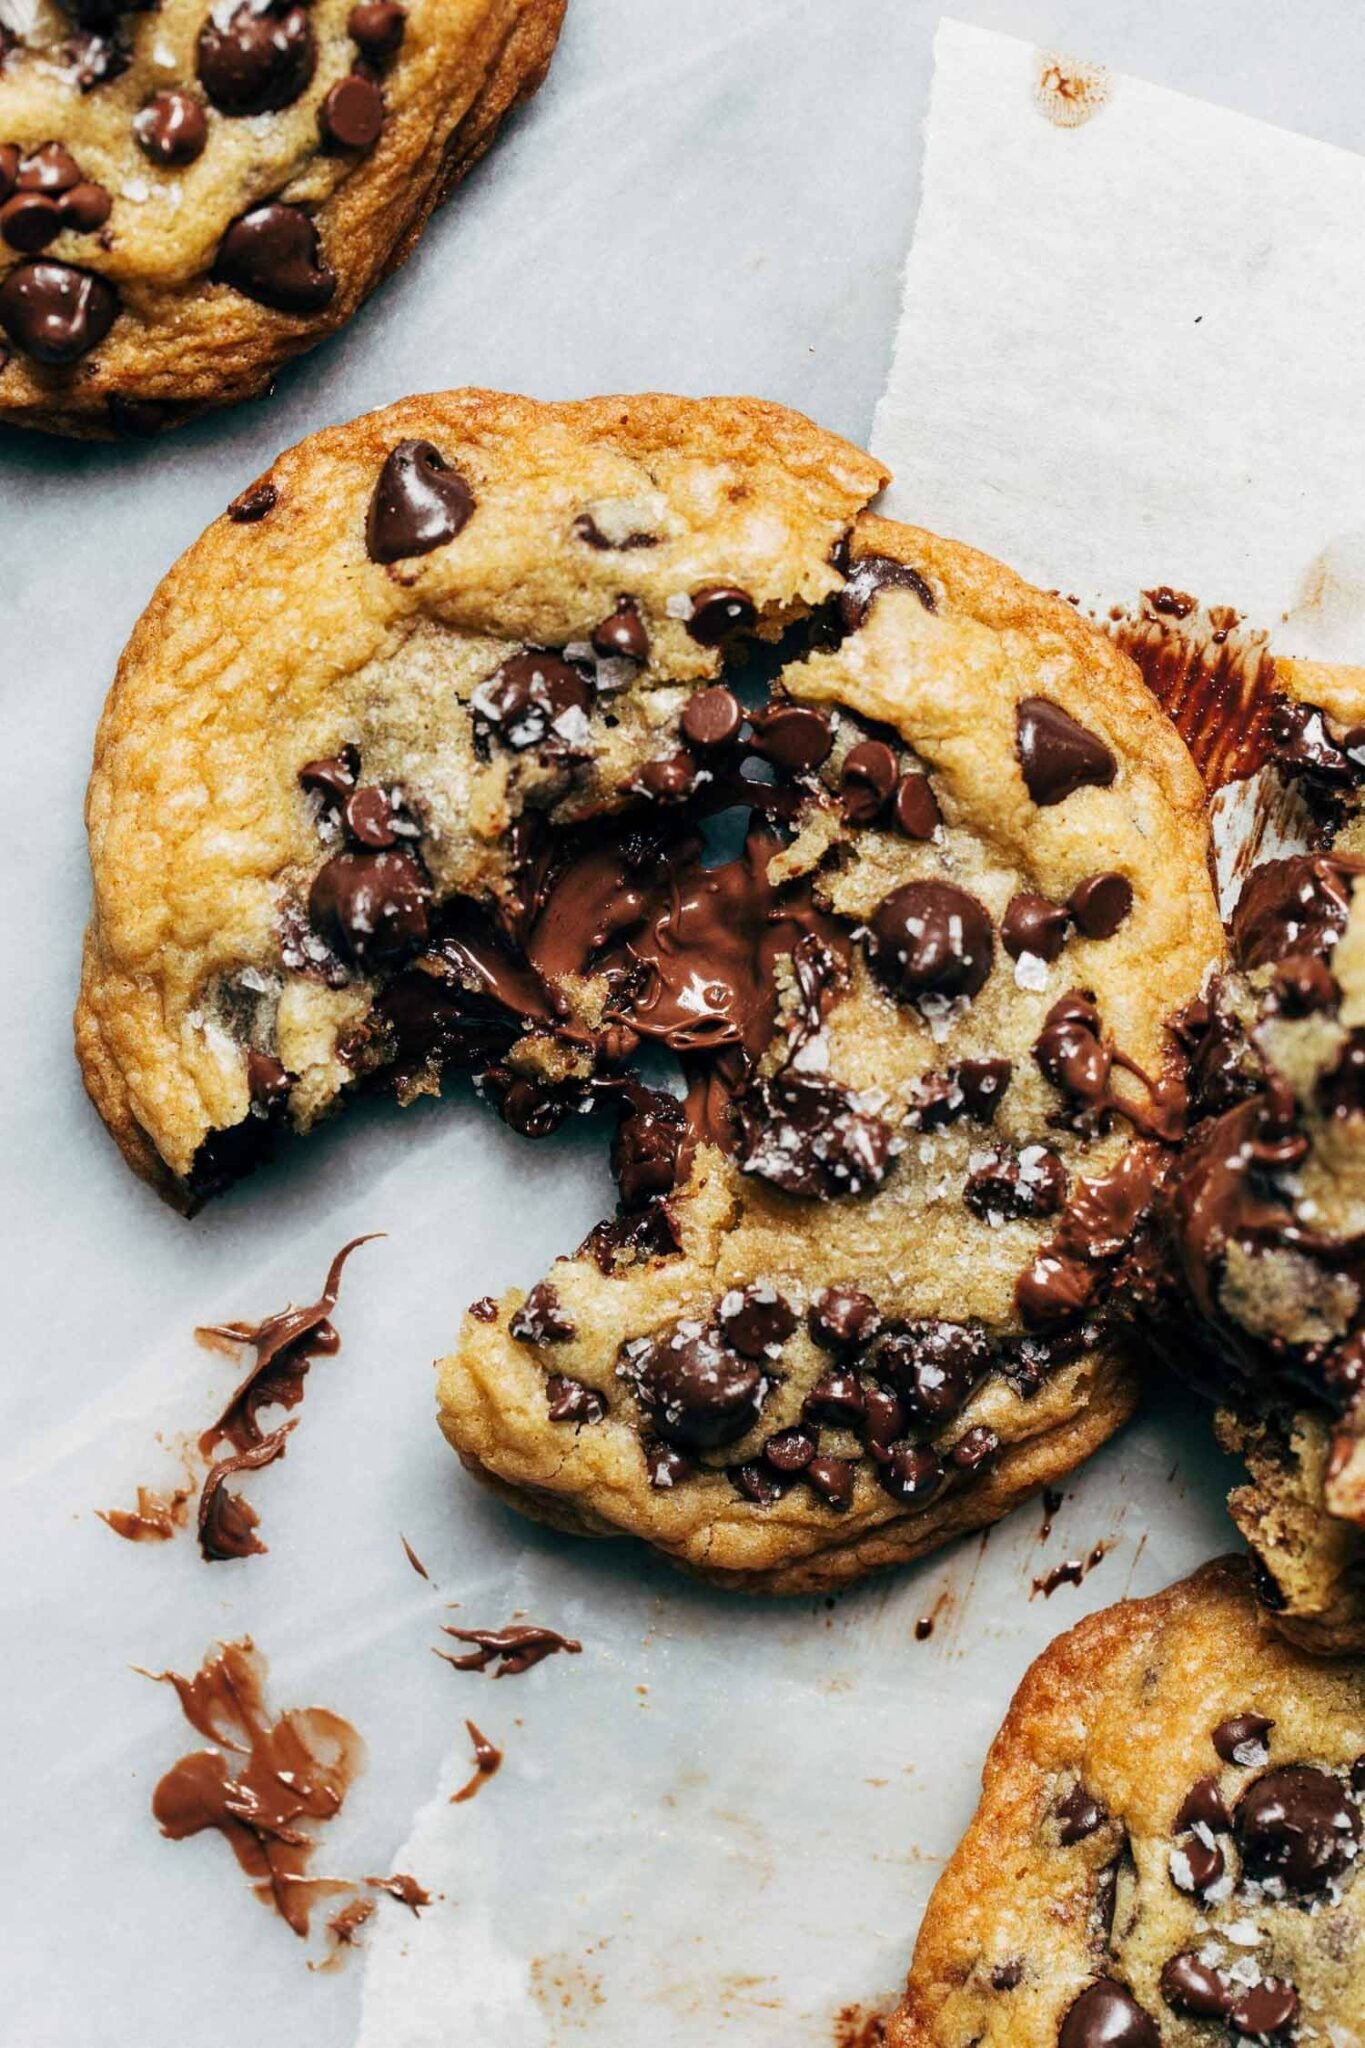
(1266, 1209)
(190, 193)
(1168, 1847)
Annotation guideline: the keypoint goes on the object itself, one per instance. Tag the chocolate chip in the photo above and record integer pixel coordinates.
(982, 1084)
(1241, 1738)
(719, 609)
(647, 1144)
(1268, 2008)
(29, 221)
(377, 27)
(51, 169)
(841, 1317)
(916, 808)
(9, 168)
(352, 114)
(697, 1391)
(533, 1109)
(541, 1319)
(271, 254)
(871, 574)
(371, 908)
(790, 1451)
(1033, 924)
(1304, 986)
(1203, 1806)
(1297, 905)
(419, 503)
(1107, 2016)
(376, 817)
(668, 780)
(535, 698)
(832, 1479)
(666, 1467)
(760, 1484)
(484, 1310)
(866, 780)
(55, 312)
(1194, 1987)
(711, 719)
(934, 1365)
(257, 60)
(171, 129)
(1079, 1814)
(807, 1136)
(85, 208)
(911, 1474)
(256, 502)
(266, 1079)
(1100, 904)
(1196, 1865)
(570, 1401)
(836, 1398)
(1299, 1825)
(1058, 756)
(931, 938)
(1012, 1184)
(884, 1418)
(756, 1322)
(95, 59)
(1069, 1051)
(974, 1448)
(1007, 1976)
(794, 739)
(333, 778)
(622, 633)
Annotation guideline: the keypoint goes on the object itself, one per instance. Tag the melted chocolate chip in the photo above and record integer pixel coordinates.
(933, 1365)
(1058, 756)
(1268, 2008)
(757, 1322)
(257, 60)
(718, 610)
(371, 908)
(55, 312)
(537, 699)
(1069, 1050)
(419, 503)
(622, 633)
(1100, 904)
(760, 1484)
(1303, 986)
(377, 27)
(982, 1084)
(790, 1451)
(831, 1480)
(647, 1145)
(711, 719)
(1079, 1815)
(666, 1467)
(793, 738)
(171, 129)
(570, 1401)
(931, 938)
(271, 254)
(541, 1318)
(1033, 924)
(352, 114)
(253, 504)
(1241, 1738)
(697, 1391)
(1298, 905)
(838, 1399)
(1194, 1987)
(1299, 1825)
(1196, 1865)
(841, 1318)
(871, 574)
(668, 780)
(1107, 2016)
(806, 1135)
(1011, 1184)
(911, 1474)
(916, 808)
(1204, 1806)
(974, 1448)
(95, 59)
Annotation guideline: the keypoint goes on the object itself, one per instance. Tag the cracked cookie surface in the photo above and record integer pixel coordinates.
(191, 194)
(1167, 1848)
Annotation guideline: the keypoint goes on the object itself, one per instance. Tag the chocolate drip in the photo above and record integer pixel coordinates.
(510, 1650)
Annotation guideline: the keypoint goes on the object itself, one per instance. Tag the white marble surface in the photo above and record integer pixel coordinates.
(707, 196)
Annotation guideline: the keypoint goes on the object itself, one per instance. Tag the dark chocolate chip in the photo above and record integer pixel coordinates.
(983, 1084)
(790, 1451)
(352, 114)
(756, 1322)
(257, 60)
(1194, 1987)
(1034, 924)
(541, 1319)
(647, 1145)
(666, 1467)
(622, 632)
(95, 59)
(1299, 1825)
(1268, 2008)
(1107, 2016)
(760, 1484)
(85, 208)
(974, 1448)
(668, 780)
(29, 221)
(807, 1136)
(842, 1317)
(484, 1310)
(916, 808)
(866, 780)
(1241, 1738)
(931, 938)
(794, 739)
(1007, 1976)
(1100, 904)
(256, 502)
(570, 1401)
(1304, 986)
(371, 908)
(55, 312)
(711, 719)
(871, 574)
(884, 1419)
(697, 1391)
(51, 169)
(375, 817)
(333, 778)
(832, 1480)
(271, 254)
(267, 1080)
(171, 129)
(1079, 1815)
(934, 1366)
(419, 503)
(1011, 1184)
(911, 1474)
(719, 609)
(1196, 1865)
(1205, 1807)
(837, 1398)
(1069, 1051)
(1058, 756)
(377, 27)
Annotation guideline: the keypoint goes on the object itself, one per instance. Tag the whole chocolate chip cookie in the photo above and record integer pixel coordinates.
(191, 193)
(1168, 1848)
(1265, 1213)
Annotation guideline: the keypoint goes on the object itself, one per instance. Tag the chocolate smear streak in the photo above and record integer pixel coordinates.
(267, 1783)
(512, 1650)
(414, 1560)
(405, 1889)
(1070, 1572)
(155, 1519)
(487, 1759)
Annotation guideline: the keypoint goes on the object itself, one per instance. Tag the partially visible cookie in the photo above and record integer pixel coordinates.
(191, 194)
(1168, 1848)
